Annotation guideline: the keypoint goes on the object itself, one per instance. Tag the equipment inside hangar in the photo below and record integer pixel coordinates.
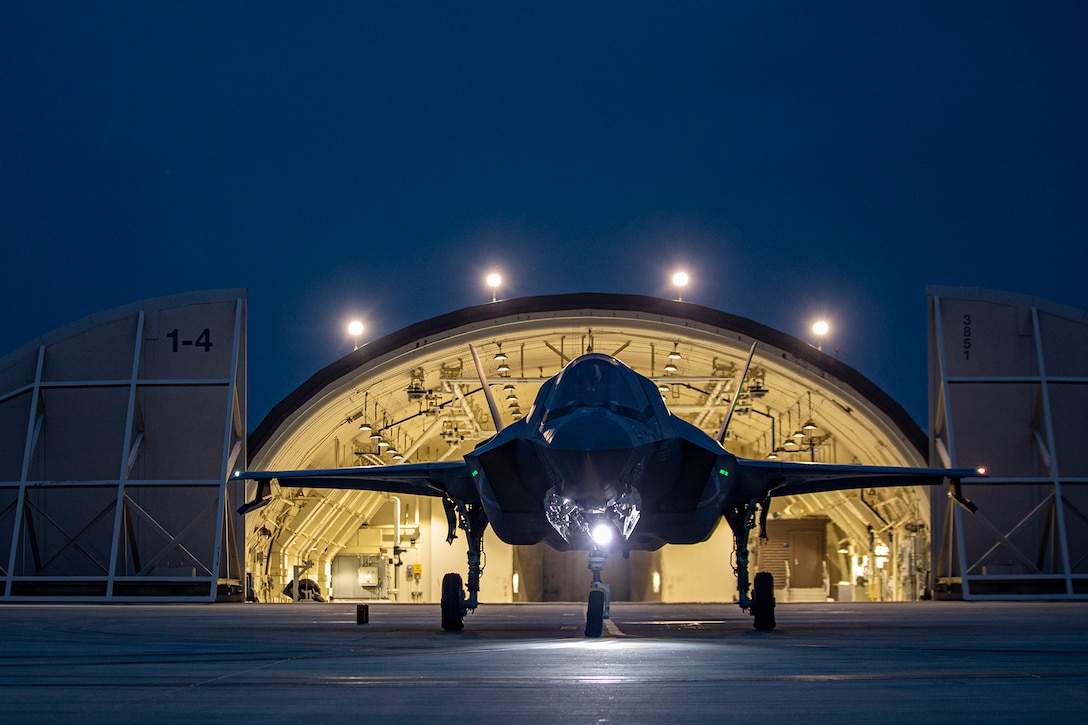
(414, 396)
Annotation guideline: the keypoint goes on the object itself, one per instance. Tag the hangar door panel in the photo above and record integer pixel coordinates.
(72, 359)
(1066, 345)
(14, 415)
(981, 339)
(1008, 391)
(1069, 402)
(115, 453)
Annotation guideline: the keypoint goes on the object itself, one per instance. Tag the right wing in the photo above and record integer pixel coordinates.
(444, 479)
(785, 478)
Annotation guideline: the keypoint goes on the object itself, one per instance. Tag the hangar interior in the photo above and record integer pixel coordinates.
(415, 396)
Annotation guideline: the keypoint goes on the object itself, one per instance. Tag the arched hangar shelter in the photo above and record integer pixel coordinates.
(414, 396)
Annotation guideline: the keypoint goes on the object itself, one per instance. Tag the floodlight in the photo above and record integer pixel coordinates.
(493, 281)
(355, 328)
(680, 279)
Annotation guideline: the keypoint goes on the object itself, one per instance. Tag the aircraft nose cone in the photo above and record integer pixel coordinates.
(590, 432)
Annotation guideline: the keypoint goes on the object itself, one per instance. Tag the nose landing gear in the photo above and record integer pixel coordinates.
(600, 595)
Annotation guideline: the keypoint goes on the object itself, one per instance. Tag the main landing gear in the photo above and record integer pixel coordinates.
(742, 519)
(455, 605)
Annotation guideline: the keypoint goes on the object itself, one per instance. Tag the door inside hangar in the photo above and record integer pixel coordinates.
(806, 554)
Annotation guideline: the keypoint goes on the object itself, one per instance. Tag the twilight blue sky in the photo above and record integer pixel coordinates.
(374, 160)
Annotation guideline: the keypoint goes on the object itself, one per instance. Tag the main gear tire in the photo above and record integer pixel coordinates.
(453, 598)
(763, 601)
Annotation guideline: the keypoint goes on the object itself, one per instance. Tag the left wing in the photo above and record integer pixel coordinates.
(443, 479)
(786, 478)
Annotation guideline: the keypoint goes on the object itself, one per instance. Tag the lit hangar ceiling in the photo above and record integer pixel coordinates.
(418, 389)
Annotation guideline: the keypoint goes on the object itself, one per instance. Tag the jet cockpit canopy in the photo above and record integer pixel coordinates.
(597, 381)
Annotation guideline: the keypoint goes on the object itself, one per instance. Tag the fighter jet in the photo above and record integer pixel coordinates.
(600, 464)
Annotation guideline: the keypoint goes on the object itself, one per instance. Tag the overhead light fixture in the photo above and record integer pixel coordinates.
(508, 388)
(511, 398)
(375, 436)
(809, 425)
(798, 436)
(675, 354)
(670, 368)
(500, 356)
(383, 444)
(503, 368)
(364, 426)
(663, 388)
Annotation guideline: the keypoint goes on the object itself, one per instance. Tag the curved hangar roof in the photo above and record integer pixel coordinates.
(417, 388)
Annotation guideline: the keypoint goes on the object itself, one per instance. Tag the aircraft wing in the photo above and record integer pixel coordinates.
(443, 478)
(786, 478)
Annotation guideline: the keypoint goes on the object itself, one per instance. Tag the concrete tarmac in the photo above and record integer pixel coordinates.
(677, 663)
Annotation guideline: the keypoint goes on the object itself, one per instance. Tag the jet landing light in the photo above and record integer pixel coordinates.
(602, 535)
